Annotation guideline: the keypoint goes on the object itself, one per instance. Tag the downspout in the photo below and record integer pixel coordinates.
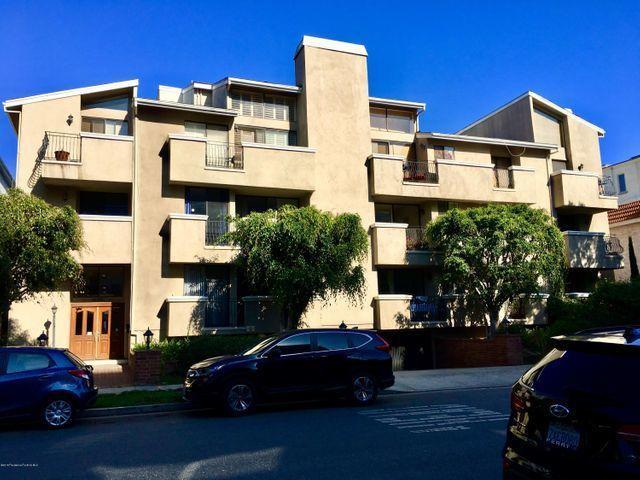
(134, 193)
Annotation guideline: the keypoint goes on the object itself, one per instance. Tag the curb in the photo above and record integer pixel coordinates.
(136, 410)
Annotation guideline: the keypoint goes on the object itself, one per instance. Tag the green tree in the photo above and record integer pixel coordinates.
(298, 255)
(633, 261)
(36, 240)
(496, 252)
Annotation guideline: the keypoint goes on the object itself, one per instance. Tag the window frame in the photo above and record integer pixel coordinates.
(392, 112)
(444, 149)
(621, 176)
(104, 122)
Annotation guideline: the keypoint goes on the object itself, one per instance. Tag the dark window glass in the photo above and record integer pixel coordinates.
(212, 282)
(296, 344)
(358, 339)
(103, 203)
(622, 183)
(246, 204)
(104, 328)
(75, 360)
(102, 282)
(574, 372)
(332, 341)
(78, 326)
(89, 322)
(24, 362)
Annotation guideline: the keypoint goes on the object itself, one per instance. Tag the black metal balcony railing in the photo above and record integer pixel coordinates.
(215, 231)
(416, 239)
(63, 147)
(503, 178)
(606, 186)
(612, 245)
(424, 172)
(224, 155)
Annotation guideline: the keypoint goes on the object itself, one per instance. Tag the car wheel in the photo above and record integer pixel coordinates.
(57, 412)
(364, 389)
(239, 398)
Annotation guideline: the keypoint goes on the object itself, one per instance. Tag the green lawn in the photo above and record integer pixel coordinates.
(127, 399)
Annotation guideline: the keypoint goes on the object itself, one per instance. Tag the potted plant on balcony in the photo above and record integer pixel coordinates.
(61, 155)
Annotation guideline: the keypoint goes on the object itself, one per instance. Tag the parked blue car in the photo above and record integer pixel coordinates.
(49, 383)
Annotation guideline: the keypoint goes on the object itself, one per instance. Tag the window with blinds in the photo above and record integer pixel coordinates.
(267, 136)
(273, 107)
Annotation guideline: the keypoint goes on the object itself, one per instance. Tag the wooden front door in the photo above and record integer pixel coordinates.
(97, 331)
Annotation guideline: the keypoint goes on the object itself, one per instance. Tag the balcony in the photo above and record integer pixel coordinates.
(107, 239)
(576, 190)
(250, 167)
(398, 244)
(195, 238)
(86, 157)
(592, 250)
(397, 312)
(394, 178)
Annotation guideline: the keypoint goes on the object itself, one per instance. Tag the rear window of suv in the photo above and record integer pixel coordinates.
(578, 372)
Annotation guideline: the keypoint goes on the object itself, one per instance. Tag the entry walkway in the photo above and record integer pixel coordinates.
(112, 376)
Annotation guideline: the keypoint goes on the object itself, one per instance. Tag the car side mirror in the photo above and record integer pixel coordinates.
(274, 353)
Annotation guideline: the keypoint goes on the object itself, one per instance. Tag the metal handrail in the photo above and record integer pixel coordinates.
(63, 147)
(612, 245)
(224, 155)
(416, 239)
(606, 186)
(503, 178)
(424, 172)
(214, 232)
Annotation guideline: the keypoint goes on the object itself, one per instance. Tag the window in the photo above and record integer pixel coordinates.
(358, 339)
(295, 344)
(503, 177)
(380, 147)
(246, 204)
(212, 282)
(333, 341)
(105, 125)
(622, 183)
(393, 120)
(101, 282)
(103, 203)
(443, 153)
(24, 362)
(384, 213)
(216, 133)
(264, 106)
(409, 214)
(121, 103)
(267, 136)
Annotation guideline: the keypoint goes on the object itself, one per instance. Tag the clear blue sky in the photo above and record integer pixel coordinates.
(462, 58)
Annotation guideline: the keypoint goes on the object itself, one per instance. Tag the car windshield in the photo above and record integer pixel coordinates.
(260, 345)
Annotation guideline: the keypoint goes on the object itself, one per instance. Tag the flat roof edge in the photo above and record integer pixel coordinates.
(487, 140)
(328, 44)
(398, 103)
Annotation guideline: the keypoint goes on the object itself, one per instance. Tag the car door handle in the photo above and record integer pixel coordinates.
(45, 377)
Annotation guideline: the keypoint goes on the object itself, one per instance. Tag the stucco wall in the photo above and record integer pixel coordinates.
(623, 231)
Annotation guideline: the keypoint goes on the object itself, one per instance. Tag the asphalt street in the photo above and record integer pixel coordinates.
(455, 434)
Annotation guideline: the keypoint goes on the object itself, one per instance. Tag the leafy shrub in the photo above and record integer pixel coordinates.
(611, 304)
(180, 353)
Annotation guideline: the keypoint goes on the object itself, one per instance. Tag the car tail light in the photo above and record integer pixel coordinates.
(80, 374)
(385, 347)
(517, 403)
(629, 443)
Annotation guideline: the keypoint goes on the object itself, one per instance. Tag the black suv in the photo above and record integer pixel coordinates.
(576, 414)
(355, 363)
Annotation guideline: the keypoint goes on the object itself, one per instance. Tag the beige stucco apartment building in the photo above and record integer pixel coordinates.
(154, 181)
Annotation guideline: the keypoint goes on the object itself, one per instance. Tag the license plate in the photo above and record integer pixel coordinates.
(563, 436)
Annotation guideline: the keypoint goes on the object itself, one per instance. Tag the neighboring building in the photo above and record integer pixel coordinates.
(155, 179)
(624, 177)
(6, 180)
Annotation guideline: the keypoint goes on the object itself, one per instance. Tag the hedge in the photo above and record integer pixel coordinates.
(180, 353)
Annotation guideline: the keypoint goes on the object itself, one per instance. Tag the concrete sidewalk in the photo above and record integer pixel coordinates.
(456, 378)
(414, 380)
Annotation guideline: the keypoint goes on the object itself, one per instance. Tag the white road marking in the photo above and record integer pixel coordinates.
(434, 418)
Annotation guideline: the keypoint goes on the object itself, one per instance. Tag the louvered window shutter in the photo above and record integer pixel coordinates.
(256, 101)
(235, 102)
(260, 136)
(269, 107)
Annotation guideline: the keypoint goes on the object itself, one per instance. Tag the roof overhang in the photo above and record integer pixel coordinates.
(105, 87)
(147, 102)
(389, 102)
(276, 87)
(485, 140)
(543, 101)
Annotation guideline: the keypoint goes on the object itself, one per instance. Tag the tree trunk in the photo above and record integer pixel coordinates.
(4, 324)
(494, 316)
